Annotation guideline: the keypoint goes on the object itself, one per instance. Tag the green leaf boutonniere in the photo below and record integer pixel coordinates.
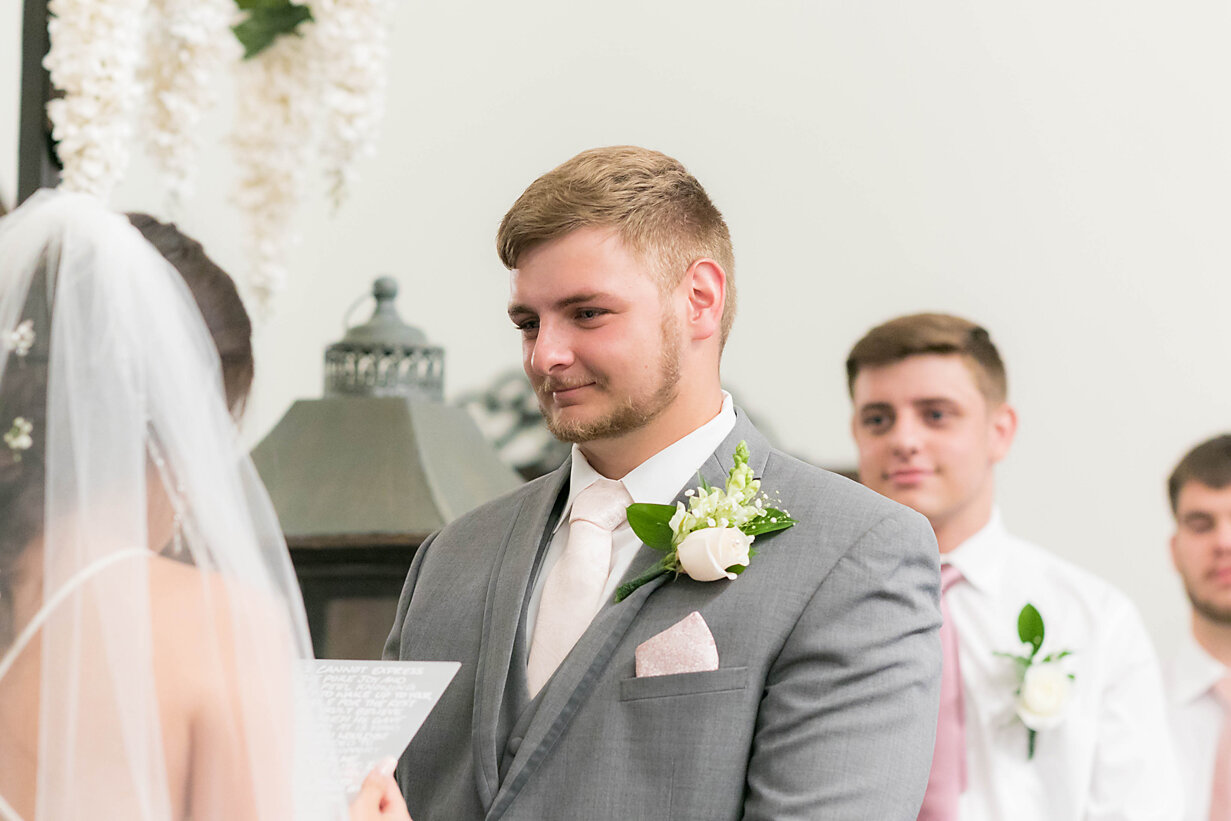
(1044, 689)
(711, 537)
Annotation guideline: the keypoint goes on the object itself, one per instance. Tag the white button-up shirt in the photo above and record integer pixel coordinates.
(1111, 756)
(1196, 721)
(657, 480)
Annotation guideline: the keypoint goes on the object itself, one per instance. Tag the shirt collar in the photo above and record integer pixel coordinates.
(981, 558)
(659, 478)
(1193, 672)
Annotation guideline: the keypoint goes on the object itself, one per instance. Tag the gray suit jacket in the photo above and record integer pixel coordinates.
(823, 707)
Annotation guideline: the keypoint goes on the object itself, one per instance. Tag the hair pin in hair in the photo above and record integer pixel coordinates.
(21, 339)
(19, 437)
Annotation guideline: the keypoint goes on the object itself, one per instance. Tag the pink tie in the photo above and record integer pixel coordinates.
(573, 592)
(1220, 797)
(947, 781)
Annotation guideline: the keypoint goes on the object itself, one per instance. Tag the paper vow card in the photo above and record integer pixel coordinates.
(374, 708)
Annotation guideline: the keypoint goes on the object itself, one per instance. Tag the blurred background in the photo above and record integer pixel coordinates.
(1058, 171)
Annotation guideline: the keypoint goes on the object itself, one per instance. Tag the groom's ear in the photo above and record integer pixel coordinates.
(704, 289)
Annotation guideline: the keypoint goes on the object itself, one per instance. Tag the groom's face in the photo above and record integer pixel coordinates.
(600, 342)
(927, 436)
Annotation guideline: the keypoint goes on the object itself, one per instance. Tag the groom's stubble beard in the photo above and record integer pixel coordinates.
(633, 412)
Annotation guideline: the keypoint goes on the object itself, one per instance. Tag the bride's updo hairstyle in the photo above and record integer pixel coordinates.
(216, 296)
(23, 392)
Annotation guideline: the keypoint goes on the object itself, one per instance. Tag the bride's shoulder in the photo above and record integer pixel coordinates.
(201, 613)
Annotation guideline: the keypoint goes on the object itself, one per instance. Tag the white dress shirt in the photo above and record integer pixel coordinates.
(1196, 721)
(657, 480)
(1111, 756)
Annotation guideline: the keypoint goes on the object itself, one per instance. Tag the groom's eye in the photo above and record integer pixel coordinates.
(586, 314)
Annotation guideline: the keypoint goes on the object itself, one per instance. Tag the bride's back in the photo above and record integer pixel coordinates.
(131, 685)
(208, 770)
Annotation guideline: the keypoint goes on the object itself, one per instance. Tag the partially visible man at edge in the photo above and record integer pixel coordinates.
(1199, 676)
(821, 701)
(931, 422)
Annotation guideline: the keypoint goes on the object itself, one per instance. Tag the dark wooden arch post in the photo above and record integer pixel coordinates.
(35, 168)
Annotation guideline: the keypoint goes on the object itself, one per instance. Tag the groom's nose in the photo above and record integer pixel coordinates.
(552, 349)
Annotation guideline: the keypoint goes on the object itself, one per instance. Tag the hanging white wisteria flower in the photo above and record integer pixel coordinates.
(352, 37)
(93, 59)
(189, 41)
(278, 92)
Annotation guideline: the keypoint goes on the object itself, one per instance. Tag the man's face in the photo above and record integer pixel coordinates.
(926, 435)
(1201, 548)
(600, 342)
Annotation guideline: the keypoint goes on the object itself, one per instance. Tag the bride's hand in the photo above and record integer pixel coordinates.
(379, 798)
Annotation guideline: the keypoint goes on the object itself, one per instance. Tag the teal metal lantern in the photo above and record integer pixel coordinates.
(361, 476)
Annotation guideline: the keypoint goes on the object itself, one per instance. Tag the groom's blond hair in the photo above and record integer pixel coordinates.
(650, 200)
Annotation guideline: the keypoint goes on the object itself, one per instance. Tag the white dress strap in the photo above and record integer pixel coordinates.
(32, 627)
(76, 580)
(7, 812)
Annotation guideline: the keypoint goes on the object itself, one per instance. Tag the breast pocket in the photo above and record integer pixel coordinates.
(684, 684)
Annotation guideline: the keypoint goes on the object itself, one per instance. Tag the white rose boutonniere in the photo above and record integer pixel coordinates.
(706, 554)
(1045, 688)
(711, 537)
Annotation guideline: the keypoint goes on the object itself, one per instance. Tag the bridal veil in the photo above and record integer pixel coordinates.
(134, 685)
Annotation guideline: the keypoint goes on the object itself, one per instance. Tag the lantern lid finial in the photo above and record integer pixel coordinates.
(384, 356)
(385, 327)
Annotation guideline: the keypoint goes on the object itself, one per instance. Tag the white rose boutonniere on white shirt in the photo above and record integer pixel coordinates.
(1045, 688)
(711, 537)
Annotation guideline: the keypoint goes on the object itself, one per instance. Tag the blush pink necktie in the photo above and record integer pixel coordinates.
(947, 780)
(573, 592)
(1220, 796)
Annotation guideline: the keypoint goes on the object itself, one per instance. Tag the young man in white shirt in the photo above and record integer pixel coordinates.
(931, 422)
(1199, 680)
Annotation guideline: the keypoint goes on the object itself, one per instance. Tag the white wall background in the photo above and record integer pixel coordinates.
(1059, 171)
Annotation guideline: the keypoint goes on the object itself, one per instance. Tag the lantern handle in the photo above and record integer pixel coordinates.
(384, 289)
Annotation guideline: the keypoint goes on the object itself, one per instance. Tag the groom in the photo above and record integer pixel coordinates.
(820, 700)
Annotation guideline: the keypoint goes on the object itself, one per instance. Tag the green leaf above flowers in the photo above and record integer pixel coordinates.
(768, 522)
(1030, 627)
(652, 524)
(265, 21)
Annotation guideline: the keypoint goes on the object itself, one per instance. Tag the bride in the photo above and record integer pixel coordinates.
(135, 685)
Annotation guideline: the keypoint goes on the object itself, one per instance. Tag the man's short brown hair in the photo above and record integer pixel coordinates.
(918, 334)
(651, 201)
(1208, 463)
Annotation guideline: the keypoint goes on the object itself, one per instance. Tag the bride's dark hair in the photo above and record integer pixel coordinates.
(23, 391)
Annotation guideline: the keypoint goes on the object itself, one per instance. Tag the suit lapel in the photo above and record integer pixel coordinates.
(573, 681)
(568, 690)
(514, 568)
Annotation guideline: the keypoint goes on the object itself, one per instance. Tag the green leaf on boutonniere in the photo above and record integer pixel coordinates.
(768, 522)
(1030, 628)
(652, 524)
(1022, 662)
(704, 484)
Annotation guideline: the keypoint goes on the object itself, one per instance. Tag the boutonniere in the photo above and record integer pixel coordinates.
(1044, 688)
(711, 537)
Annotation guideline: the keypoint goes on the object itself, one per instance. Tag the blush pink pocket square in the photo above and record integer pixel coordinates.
(685, 647)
